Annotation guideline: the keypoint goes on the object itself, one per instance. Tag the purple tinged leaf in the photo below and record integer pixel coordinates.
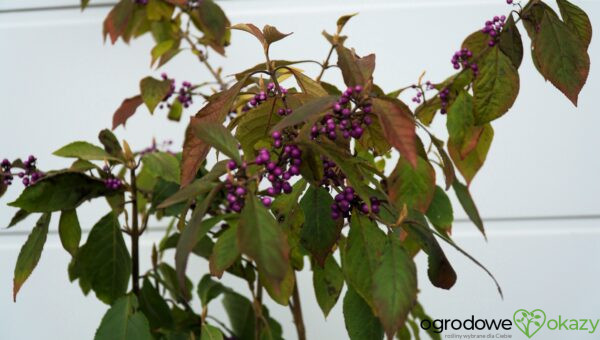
(126, 110)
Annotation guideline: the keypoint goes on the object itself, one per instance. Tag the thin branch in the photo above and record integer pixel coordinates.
(296, 308)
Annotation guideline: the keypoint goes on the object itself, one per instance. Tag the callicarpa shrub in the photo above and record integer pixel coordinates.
(301, 176)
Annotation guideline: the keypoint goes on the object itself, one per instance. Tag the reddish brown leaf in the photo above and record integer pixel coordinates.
(272, 35)
(398, 126)
(355, 70)
(194, 149)
(255, 31)
(126, 110)
(117, 20)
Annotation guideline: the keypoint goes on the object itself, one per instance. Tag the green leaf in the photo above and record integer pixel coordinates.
(175, 111)
(360, 254)
(19, 216)
(124, 322)
(157, 10)
(447, 166)
(225, 251)
(261, 239)
(465, 199)
(398, 126)
(328, 282)
(60, 191)
(242, 318)
(209, 289)
(154, 307)
(160, 49)
(210, 333)
(426, 111)
(414, 187)
(418, 313)
(470, 164)
(460, 123)
(307, 84)
(254, 126)
(198, 187)
(83, 150)
(220, 138)
(561, 56)
(374, 138)
(394, 286)
(3, 187)
(511, 43)
(440, 212)
(212, 21)
(30, 253)
(153, 91)
(179, 290)
(279, 291)
(69, 231)
(440, 271)
(104, 260)
(291, 218)
(111, 143)
(476, 42)
(360, 322)
(577, 20)
(320, 232)
(349, 165)
(306, 112)
(496, 87)
(241, 315)
(196, 228)
(163, 165)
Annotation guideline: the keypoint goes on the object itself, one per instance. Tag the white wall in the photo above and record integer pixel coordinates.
(537, 191)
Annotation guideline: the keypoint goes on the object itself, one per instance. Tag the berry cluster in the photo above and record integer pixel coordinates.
(280, 171)
(493, 28)
(7, 177)
(111, 182)
(348, 199)
(235, 195)
(420, 93)
(29, 176)
(461, 58)
(156, 147)
(262, 96)
(331, 174)
(348, 116)
(444, 99)
(184, 93)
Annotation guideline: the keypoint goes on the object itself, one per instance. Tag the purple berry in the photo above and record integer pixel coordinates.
(231, 165)
(240, 191)
(266, 201)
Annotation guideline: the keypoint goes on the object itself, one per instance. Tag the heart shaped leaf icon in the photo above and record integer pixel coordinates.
(529, 322)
